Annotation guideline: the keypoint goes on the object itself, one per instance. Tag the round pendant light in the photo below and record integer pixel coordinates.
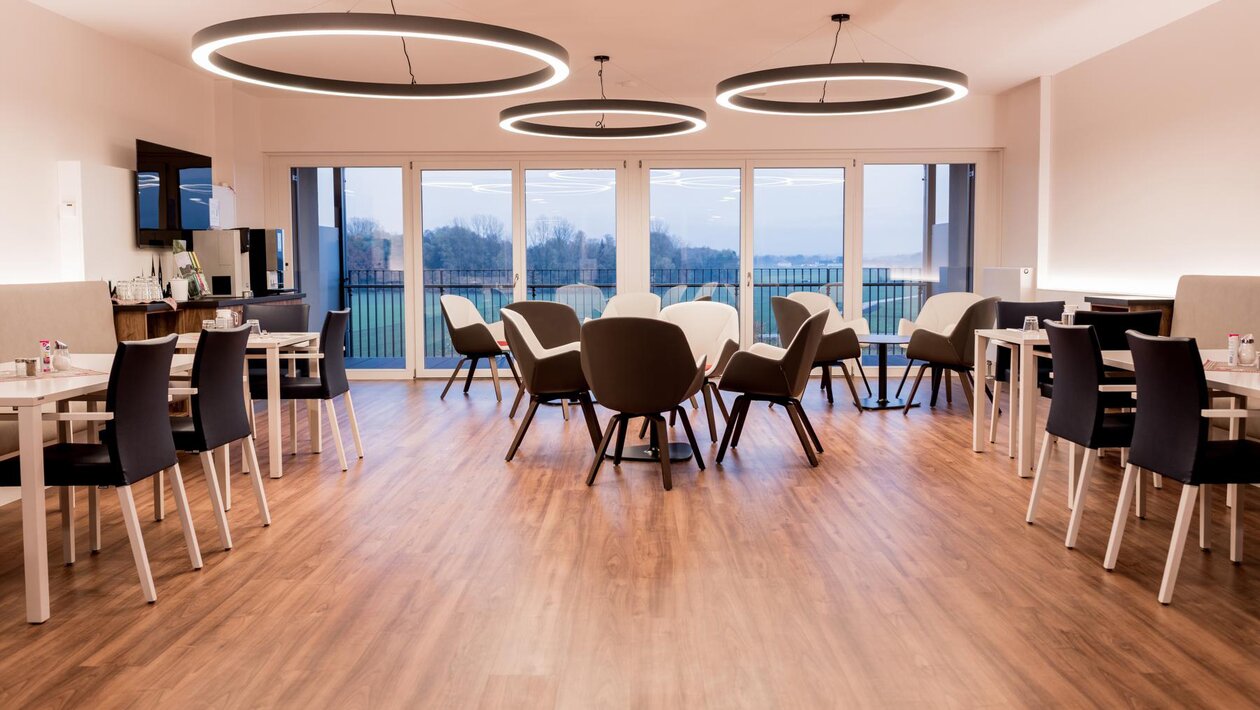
(208, 43)
(678, 119)
(945, 86)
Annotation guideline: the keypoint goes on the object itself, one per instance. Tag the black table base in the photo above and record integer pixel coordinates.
(646, 452)
(882, 400)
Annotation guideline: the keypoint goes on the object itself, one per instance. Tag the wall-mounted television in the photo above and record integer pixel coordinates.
(173, 190)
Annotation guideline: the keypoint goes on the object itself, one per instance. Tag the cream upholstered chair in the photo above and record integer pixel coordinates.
(818, 302)
(676, 294)
(474, 339)
(939, 314)
(634, 305)
(712, 331)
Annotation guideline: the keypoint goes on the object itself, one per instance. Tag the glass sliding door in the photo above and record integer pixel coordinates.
(798, 239)
(466, 221)
(917, 228)
(571, 237)
(694, 234)
(349, 227)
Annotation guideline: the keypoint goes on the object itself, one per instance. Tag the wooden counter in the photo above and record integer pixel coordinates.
(153, 320)
(1135, 303)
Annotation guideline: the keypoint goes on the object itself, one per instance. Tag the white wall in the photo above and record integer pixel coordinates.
(73, 94)
(1155, 158)
(1019, 133)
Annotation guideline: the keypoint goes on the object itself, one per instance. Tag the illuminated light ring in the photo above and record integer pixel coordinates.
(951, 86)
(208, 42)
(520, 119)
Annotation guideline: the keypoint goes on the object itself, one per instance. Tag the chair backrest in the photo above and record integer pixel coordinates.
(139, 436)
(332, 345)
(1076, 409)
(525, 345)
(799, 359)
(1112, 328)
(554, 324)
(676, 294)
(78, 313)
(789, 315)
(459, 312)
(818, 302)
(635, 305)
(708, 325)
(1011, 314)
(941, 312)
(279, 317)
(637, 365)
(218, 409)
(977, 316)
(1170, 432)
(586, 300)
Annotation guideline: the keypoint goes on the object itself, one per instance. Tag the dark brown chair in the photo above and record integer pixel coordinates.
(833, 349)
(640, 367)
(764, 373)
(555, 325)
(954, 352)
(474, 340)
(1170, 437)
(548, 374)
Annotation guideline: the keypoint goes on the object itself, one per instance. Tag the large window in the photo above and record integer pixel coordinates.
(349, 227)
(694, 234)
(466, 219)
(571, 238)
(798, 239)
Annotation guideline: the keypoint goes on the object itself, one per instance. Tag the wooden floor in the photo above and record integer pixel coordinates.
(899, 573)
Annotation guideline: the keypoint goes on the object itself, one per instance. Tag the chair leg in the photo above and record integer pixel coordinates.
(454, 374)
(624, 424)
(1072, 464)
(795, 416)
(968, 387)
(1039, 480)
(694, 403)
(1205, 517)
(588, 412)
(1132, 480)
(511, 361)
(127, 502)
(673, 416)
(739, 425)
(603, 447)
(936, 386)
(520, 432)
(255, 473)
(225, 474)
(293, 407)
(848, 377)
(65, 495)
(472, 370)
(564, 409)
(1082, 490)
(662, 448)
(691, 439)
(1235, 525)
(949, 386)
(913, 390)
(494, 377)
(993, 412)
(905, 373)
(354, 423)
(1140, 492)
(717, 397)
(862, 371)
(1157, 481)
(708, 411)
(1181, 530)
(731, 422)
(809, 427)
(159, 496)
(826, 383)
(94, 518)
(336, 433)
(1013, 398)
(185, 517)
(216, 498)
(520, 394)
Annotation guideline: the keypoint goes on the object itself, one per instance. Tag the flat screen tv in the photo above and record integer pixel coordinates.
(173, 189)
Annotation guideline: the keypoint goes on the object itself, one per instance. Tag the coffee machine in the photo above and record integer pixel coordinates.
(267, 273)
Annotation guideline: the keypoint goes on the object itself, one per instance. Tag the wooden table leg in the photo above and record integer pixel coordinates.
(34, 524)
(1027, 408)
(275, 449)
(314, 413)
(977, 405)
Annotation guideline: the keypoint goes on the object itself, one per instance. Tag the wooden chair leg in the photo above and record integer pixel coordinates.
(968, 387)
(1082, 490)
(1013, 397)
(736, 408)
(520, 432)
(1181, 530)
(1132, 480)
(65, 495)
(603, 447)
(826, 384)
(717, 397)
(494, 377)
(662, 447)
(564, 409)
(94, 518)
(225, 475)
(293, 409)
(694, 403)
(131, 519)
(1157, 481)
(862, 371)
(691, 439)
(739, 425)
(336, 433)
(472, 370)
(454, 374)
(643, 430)
(848, 377)
(520, 394)
(949, 386)
(708, 411)
(511, 361)
(1072, 463)
(913, 390)
(993, 412)
(159, 495)
(354, 423)
(800, 433)
(1235, 525)
(588, 413)
(809, 427)
(905, 373)
(216, 498)
(185, 517)
(1039, 479)
(255, 473)
(1205, 517)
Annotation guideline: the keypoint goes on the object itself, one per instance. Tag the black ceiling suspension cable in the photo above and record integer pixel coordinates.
(601, 59)
(404, 44)
(834, 43)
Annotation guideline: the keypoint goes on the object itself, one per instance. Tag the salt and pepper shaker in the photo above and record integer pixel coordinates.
(1247, 350)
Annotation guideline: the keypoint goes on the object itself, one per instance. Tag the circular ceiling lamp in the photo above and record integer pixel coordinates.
(678, 118)
(945, 86)
(208, 43)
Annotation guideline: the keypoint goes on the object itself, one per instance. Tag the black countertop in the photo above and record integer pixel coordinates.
(212, 302)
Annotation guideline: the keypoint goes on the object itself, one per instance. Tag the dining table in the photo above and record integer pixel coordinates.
(28, 396)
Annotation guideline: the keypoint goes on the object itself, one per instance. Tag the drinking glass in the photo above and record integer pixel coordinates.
(209, 324)
(1030, 323)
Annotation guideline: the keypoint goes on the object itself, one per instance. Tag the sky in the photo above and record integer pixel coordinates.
(796, 210)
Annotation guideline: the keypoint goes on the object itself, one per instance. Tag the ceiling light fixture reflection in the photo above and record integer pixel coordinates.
(208, 42)
(523, 119)
(741, 92)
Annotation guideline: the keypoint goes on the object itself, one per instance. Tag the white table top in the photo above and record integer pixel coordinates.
(267, 341)
(33, 391)
(1244, 383)
(1015, 335)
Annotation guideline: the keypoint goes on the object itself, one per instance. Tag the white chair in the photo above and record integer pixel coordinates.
(818, 302)
(712, 331)
(676, 294)
(474, 339)
(939, 314)
(585, 300)
(633, 305)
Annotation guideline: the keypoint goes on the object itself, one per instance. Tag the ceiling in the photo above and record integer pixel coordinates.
(670, 49)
